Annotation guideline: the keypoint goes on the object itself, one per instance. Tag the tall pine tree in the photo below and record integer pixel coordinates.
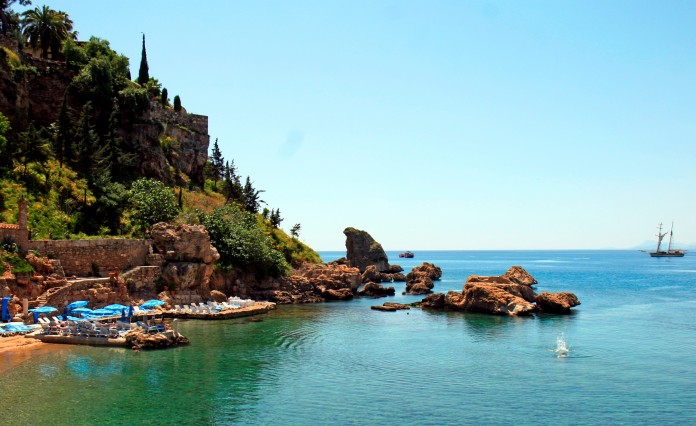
(218, 163)
(144, 72)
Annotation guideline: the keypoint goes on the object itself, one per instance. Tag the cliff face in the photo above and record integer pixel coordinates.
(165, 143)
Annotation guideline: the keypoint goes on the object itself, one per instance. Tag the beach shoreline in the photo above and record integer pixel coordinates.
(15, 350)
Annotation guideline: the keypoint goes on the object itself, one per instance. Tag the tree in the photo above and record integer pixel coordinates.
(144, 72)
(275, 218)
(232, 187)
(152, 202)
(177, 103)
(5, 157)
(218, 163)
(62, 132)
(252, 202)
(8, 19)
(295, 230)
(48, 29)
(165, 97)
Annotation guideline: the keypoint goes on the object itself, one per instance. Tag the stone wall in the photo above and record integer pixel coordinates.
(77, 256)
(194, 122)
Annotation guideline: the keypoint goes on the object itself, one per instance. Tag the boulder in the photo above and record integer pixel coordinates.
(558, 303)
(434, 301)
(419, 285)
(519, 290)
(364, 251)
(187, 276)
(340, 294)
(427, 269)
(183, 243)
(519, 275)
(376, 290)
(218, 296)
(332, 276)
(420, 279)
(488, 299)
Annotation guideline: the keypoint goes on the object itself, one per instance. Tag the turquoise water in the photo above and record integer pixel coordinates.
(632, 358)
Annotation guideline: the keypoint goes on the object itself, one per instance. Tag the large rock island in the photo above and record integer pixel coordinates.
(508, 294)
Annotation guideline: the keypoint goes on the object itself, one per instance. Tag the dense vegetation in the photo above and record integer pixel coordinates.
(79, 176)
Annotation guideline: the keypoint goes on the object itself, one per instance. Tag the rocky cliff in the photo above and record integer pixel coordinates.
(165, 143)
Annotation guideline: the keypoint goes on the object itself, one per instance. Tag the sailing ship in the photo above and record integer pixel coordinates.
(670, 251)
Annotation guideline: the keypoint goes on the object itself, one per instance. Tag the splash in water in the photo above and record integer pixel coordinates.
(562, 350)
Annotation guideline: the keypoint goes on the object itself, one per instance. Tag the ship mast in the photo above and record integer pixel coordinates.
(660, 236)
(669, 247)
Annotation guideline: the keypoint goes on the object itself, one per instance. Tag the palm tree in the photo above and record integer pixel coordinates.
(47, 28)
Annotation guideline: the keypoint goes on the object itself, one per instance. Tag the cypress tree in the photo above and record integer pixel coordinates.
(177, 103)
(144, 72)
(218, 163)
(164, 99)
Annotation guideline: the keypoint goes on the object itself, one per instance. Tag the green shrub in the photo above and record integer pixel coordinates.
(10, 58)
(152, 202)
(17, 263)
(135, 100)
(241, 242)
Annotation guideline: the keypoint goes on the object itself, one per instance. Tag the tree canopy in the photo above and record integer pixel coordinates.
(47, 28)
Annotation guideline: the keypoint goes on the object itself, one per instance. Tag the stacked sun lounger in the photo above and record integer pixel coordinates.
(13, 329)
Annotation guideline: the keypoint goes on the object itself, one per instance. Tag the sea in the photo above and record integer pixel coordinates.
(630, 359)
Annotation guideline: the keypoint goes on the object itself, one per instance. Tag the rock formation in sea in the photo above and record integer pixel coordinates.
(371, 289)
(313, 284)
(558, 303)
(364, 251)
(420, 279)
(508, 294)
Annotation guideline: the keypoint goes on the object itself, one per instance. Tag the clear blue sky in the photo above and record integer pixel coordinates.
(438, 124)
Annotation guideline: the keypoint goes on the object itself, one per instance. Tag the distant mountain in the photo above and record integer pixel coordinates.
(651, 245)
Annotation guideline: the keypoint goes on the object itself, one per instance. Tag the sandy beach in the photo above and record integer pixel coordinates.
(16, 349)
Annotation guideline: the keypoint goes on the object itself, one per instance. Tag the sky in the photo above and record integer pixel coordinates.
(438, 125)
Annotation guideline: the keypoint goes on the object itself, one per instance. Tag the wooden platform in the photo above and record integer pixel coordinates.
(256, 309)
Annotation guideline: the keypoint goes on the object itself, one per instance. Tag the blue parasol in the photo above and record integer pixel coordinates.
(123, 315)
(36, 317)
(81, 311)
(44, 309)
(117, 307)
(65, 313)
(152, 304)
(101, 312)
(77, 304)
(130, 311)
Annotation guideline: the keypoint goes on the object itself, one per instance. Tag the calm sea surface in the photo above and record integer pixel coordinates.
(632, 358)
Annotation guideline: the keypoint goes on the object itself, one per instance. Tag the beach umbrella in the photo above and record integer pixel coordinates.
(123, 315)
(6, 309)
(101, 312)
(77, 304)
(36, 317)
(130, 312)
(44, 310)
(152, 304)
(81, 311)
(65, 314)
(115, 307)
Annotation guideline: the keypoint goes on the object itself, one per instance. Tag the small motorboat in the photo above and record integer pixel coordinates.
(406, 254)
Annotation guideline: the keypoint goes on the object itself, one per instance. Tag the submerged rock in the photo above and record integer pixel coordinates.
(139, 339)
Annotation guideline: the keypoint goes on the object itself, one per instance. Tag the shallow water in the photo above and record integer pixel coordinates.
(631, 358)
